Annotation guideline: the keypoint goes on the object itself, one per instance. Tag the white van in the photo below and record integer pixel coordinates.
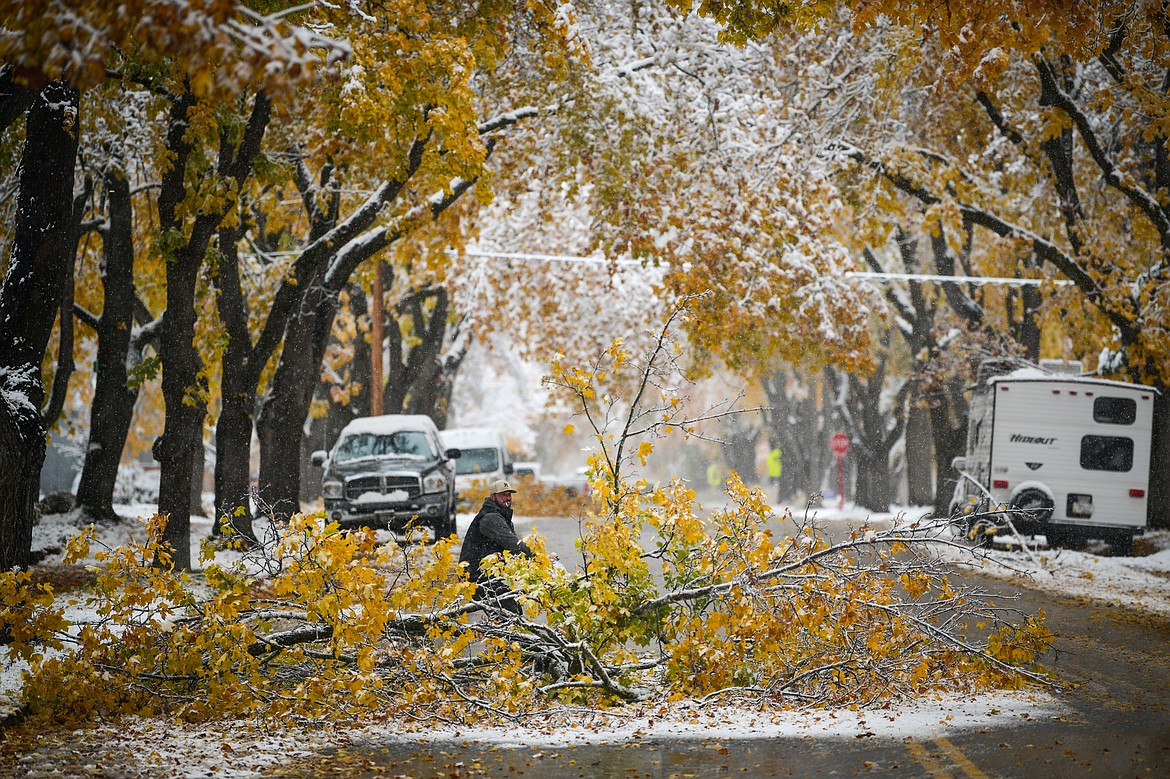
(1072, 453)
(483, 456)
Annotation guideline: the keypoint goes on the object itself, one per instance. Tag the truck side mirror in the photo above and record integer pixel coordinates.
(508, 469)
(318, 458)
(959, 463)
(453, 454)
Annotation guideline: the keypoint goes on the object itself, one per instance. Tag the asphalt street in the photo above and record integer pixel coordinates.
(1112, 665)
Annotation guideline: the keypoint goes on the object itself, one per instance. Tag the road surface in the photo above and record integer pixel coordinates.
(1113, 665)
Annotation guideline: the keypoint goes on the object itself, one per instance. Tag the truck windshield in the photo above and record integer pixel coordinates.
(403, 443)
(477, 461)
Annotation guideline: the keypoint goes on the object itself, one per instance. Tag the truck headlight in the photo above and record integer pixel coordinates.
(435, 482)
(332, 489)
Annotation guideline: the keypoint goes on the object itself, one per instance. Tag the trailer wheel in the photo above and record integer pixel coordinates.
(1034, 504)
(1123, 546)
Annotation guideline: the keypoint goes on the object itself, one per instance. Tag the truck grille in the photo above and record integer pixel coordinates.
(383, 485)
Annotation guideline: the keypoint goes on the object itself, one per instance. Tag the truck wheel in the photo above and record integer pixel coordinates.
(445, 527)
(1033, 504)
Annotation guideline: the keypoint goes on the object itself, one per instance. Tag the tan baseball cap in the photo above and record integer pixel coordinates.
(500, 485)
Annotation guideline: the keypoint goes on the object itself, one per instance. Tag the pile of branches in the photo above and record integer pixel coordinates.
(317, 622)
(664, 602)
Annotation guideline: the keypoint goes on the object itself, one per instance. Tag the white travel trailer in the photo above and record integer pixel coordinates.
(1073, 454)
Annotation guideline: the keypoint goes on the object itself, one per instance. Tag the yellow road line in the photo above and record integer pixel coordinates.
(961, 760)
(920, 755)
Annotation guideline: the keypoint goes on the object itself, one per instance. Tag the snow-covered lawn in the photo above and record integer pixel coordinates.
(1141, 581)
(166, 748)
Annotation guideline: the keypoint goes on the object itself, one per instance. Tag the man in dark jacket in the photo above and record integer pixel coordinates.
(491, 532)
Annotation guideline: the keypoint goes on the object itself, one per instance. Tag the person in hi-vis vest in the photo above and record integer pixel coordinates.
(775, 468)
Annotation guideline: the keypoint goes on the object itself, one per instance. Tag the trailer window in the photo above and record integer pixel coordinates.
(1114, 411)
(1106, 453)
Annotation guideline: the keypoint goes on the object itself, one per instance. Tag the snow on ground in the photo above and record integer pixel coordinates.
(234, 751)
(922, 719)
(1140, 582)
(135, 746)
(1137, 582)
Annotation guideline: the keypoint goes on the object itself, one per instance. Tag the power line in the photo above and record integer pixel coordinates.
(861, 275)
(874, 276)
(567, 258)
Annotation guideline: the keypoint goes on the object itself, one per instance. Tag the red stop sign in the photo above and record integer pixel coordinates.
(839, 443)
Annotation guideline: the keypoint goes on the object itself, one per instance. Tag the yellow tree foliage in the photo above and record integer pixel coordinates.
(329, 624)
(223, 46)
(664, 604)
(1026, 136)
(677, 168)
(972, 36)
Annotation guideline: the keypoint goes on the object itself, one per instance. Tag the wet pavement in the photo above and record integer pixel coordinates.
(1113, 664)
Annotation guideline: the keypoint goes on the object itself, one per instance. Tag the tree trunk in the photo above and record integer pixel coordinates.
(233, 429)
(285, 408)
(198, 467)
(740, 451)
(184, 394)
(320, 272)
(872, 488)
(233, 454)
(797, 424)
(22, 453)
(181, 445)
(361, 374)
(323, 433)
(870, 456)
(948, 426)
(442, 384)
(872, 437)
(185, 404)
(1025, 329)
(114, 398)
(15, 98)
(28, 306)
(919, 457)
(1159, 498)
(428, 374)
(422, 368)
(65, 367)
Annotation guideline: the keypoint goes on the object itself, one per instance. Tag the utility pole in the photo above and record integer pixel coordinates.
(377, 318)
